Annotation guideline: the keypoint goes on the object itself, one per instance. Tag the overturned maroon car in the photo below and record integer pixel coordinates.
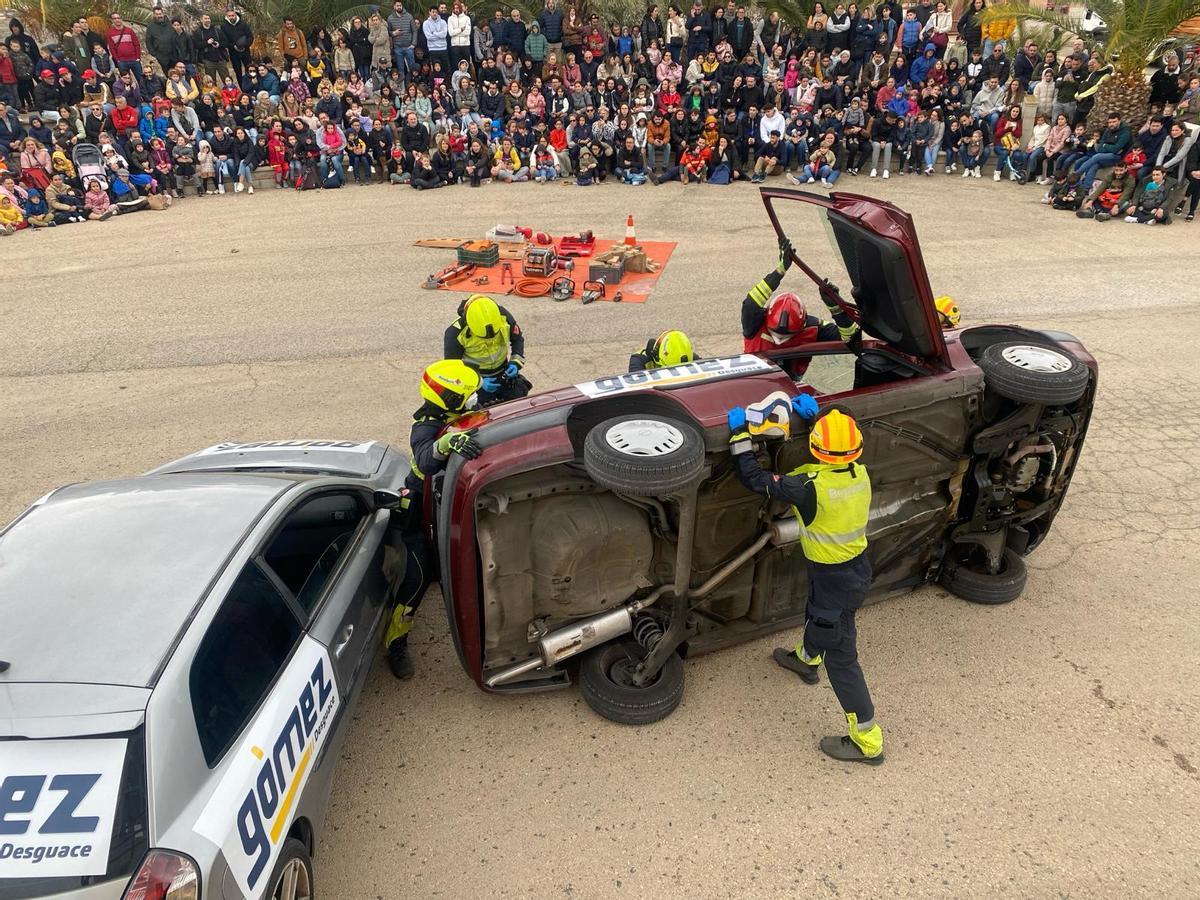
(603, 533)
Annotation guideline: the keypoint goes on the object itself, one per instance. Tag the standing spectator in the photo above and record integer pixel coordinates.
(550, 20)
(838, 29)
(402, 28)
(741, 33)
(970, 25)
(437, 38)
(699, 31)
(8, 78)
(359, 38)
(160, 39)
(459, 31)
(237, 38)
(1026, 62)
(213, 57)
(292, 46)
(124, 46)
(535, 46)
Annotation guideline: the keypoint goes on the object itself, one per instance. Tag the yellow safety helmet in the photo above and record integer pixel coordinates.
(947, 310)
(672, 348)
(450, 385)
(482, 316)
(835, 438)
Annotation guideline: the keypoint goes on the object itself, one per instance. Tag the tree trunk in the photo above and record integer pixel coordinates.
(1125, 93)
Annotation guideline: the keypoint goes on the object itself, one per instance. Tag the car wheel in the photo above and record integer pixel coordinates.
(643, 456)
(1034, 373)
(975, 584)
(605, 680)
(293, 875)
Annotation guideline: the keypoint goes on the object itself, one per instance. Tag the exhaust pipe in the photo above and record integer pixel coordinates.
(585, 634)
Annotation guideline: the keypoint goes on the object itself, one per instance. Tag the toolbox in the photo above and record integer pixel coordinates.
(479, 253)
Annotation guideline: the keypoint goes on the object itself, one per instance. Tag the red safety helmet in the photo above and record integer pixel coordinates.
(786, 314)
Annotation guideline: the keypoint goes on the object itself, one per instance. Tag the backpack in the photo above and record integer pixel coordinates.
(307, 180)
(719, 175)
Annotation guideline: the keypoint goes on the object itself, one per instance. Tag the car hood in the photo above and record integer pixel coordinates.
(889, 291)
(58, 709)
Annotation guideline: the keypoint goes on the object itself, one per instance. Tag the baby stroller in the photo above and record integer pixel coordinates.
(89, 164)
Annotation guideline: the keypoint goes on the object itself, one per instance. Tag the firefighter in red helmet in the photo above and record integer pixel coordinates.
(781, 322)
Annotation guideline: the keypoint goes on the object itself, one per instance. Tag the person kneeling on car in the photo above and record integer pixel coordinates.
(671, 348)
(487, 338)
(832, 500)
(780, 322)
(449, 389)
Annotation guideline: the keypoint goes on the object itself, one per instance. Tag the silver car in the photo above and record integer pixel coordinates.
(180, 653)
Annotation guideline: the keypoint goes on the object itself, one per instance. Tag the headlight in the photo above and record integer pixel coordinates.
(164, 875)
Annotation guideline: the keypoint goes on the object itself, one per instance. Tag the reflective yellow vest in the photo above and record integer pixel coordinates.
(484, 354)
(838, 532)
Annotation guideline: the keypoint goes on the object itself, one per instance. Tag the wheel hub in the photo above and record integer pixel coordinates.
(644, 437)
(1036, 359)
(293, 883)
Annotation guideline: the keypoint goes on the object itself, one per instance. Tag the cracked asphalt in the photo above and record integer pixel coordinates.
(1044, 748)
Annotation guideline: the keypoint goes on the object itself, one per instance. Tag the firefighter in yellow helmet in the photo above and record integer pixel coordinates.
(948, 314)
(487, 338)
(831, 498)
(448, 390)
(671, 348)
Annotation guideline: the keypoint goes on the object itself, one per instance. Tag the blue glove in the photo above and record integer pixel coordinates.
(512, 370)
(491, 384)
(737, 419)
(805, 407)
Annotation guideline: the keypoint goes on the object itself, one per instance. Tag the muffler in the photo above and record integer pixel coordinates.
(566, 642)
(579, 636)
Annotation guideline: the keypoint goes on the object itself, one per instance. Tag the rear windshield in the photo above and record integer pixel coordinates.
(130, 835)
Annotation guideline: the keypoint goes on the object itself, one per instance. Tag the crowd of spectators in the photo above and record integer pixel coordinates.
(95, 124)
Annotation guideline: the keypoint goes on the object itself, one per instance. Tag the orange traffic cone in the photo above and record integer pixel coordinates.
(630, 237)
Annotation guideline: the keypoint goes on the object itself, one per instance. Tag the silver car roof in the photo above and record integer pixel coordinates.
(359, 459)
(97, 580)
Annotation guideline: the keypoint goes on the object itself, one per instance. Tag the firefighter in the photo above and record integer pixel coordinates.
(832, 500)
(948, 314)
(671, 348)
(487, 338)
(449, 389)
(781, 322)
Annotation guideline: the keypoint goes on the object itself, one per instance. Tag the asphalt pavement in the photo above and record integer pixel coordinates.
(1044, 748)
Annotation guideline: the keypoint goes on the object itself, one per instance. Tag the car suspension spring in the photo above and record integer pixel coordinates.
(647, 631)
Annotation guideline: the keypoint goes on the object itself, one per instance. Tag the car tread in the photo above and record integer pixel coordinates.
(1045, 388)
(643, 476)
(984, 588)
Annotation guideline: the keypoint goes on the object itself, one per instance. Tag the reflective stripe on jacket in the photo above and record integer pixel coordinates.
(838, 532)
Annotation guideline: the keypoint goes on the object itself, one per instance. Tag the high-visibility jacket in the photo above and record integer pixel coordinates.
(486, 355)
(838, 531)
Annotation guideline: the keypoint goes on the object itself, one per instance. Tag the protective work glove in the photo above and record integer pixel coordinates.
(461, 442)
(805, 407)
(785, 255)
(490, 383)
(739, 434)
(512, 370)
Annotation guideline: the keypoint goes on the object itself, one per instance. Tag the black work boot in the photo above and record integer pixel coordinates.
(788, 659)
(844, 749)
(399, 660)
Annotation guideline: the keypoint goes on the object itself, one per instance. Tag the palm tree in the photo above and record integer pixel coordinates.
(1139, 31)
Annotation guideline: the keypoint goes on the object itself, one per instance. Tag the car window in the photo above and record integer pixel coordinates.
(244, 649)
(314, 538)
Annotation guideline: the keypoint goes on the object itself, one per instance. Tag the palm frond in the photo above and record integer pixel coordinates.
(793, 12)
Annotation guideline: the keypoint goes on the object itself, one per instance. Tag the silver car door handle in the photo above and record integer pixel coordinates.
(341, 645)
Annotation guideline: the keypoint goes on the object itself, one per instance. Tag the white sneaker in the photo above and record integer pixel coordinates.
(794, 180)
(886, 174)
(825, 183)
(996, 175)
(1041, 180)
(810, 180)
(220, 188)
(978, 173)
(249, 189)
(966, 173)
(953, 167)
(929, 170)
(1012, 176)
(238, 187)
(1151, 221)
(949, 169)
(1131, 219)
(874, 174)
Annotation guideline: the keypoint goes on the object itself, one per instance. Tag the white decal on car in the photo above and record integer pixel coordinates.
(673, 376)
(58, 800)
(249, 814)
(234, 447)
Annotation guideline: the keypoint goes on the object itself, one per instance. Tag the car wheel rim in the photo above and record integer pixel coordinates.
(294, 883)
(621, 672)
(644, 437)
(1036, 359)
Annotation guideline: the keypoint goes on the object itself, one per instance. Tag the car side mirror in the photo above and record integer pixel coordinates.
(385, 500)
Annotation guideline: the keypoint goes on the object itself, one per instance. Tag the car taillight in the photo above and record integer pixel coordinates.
(164, 875)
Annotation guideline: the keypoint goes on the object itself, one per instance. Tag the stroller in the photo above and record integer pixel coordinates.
(89, 164)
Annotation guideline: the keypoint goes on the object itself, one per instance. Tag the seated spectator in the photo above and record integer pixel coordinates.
(1111, 195)
(1150, 205)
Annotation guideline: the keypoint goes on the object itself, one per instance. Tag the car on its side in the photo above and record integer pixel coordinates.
(605, 520)
(181, 653)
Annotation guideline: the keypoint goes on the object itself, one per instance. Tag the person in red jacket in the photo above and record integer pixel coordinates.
(780, 322)
(124, 118)
(125, 48)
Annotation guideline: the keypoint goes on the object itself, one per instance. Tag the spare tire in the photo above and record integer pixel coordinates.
(1034, 373)
(644, 455)
(977, 585)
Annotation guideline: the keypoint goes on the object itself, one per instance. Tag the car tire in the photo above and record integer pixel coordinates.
(605, 686)
(645, 456)
(292, 878)
(975, 586)
(1034, 373)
